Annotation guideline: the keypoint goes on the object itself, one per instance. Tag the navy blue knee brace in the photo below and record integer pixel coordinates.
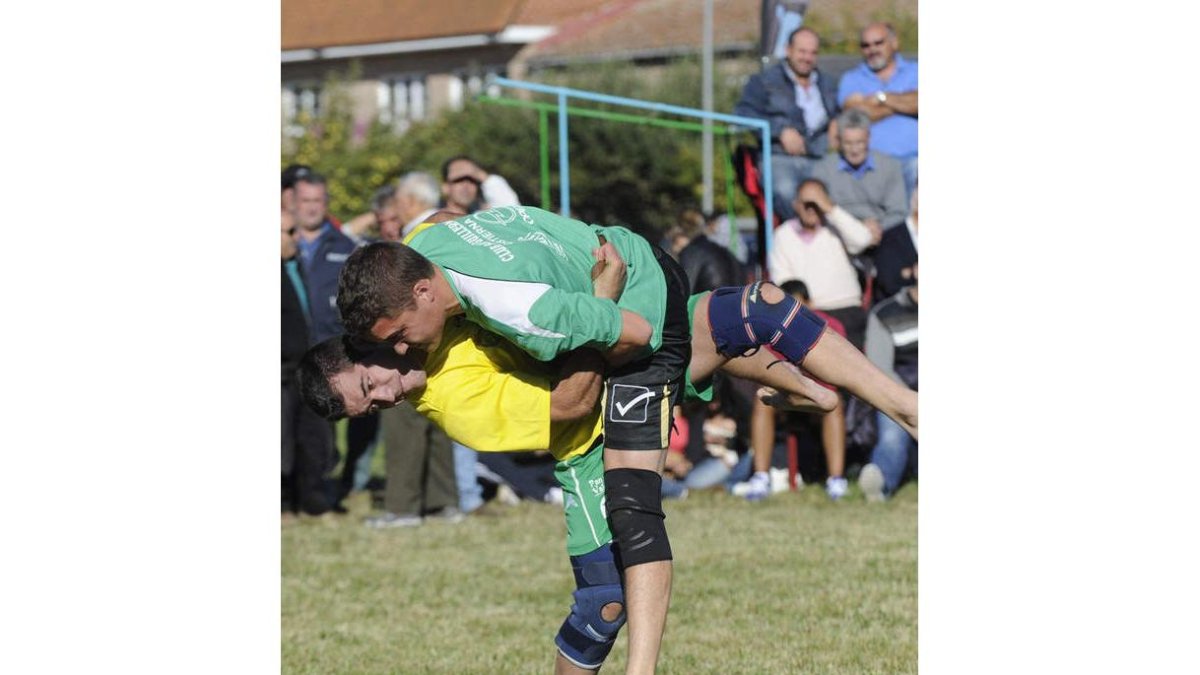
(742, 322)
(633, 499)
(585, 638)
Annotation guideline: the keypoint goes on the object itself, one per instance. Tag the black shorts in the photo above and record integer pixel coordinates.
(638, 396)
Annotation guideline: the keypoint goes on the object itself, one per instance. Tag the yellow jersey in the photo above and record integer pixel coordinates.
(487, 394)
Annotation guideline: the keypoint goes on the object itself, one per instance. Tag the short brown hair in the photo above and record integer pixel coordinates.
(377, 282)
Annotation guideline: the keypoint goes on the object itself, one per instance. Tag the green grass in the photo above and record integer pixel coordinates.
(797, 584)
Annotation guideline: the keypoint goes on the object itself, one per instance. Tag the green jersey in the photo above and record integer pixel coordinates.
(525, 274)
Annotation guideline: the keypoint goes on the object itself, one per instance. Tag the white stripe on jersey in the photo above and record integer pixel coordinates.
(507, 302)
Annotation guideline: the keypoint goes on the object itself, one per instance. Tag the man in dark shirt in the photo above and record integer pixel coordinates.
(306, 438)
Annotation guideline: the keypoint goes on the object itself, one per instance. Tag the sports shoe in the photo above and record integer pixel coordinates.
(554, 495)
(836, 487)
(779, 480)
(389, 520)
(758, 487)
(447, 514)
(870, 481)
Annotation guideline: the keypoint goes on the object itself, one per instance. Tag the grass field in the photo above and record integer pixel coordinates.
(796, 584)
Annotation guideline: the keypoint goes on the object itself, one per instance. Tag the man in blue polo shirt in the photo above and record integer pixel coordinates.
(884, 86)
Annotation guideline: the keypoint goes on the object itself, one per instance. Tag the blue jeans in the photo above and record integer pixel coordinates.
(470, 492)
(671, 488)
(362, 468)
(909, 165)
(741, 471)
(893, 452)
(787, 172)
(707, 473)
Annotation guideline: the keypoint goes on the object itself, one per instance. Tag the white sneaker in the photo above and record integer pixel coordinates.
(554, 495)
(836, 487)
(870, 481)
(755, 489)
(388, 520)
(779, 480)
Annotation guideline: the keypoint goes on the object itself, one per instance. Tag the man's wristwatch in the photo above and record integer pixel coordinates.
(881, 96)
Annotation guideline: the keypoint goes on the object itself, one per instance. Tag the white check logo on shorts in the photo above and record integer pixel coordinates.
(625, 397)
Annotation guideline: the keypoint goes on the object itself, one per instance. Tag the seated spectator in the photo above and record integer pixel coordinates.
(467, 188)
(833, 427)
(809, 247)
(892, 346)
(896, 257)
(721, 231)
(799, 102)
(884, 86)
(868, 184)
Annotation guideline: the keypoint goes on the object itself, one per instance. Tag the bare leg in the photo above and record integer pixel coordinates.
(833, 438)
(794, 389)
(647, 586)
(836, 361)
(563, 666)
(762, 435)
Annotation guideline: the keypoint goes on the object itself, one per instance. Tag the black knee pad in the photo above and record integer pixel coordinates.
(633, 499)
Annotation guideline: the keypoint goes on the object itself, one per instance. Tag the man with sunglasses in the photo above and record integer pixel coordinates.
(467, 188)
(306, 438)
(884, 86)
(815, 247)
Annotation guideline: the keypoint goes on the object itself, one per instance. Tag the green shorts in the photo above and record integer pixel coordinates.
(582, 482)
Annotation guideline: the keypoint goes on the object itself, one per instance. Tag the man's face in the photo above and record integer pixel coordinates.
(854, 144)
(802, 53)
(379, 381)
(418, 327)
(461, 188)
(310, 205)
(389, 222)
(806, 206)
(878, 48)
(287, 236)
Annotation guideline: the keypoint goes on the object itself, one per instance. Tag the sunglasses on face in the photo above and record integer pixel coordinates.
(465, 179)
(878, 43)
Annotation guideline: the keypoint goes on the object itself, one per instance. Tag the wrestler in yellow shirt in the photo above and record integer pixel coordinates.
(489, 395)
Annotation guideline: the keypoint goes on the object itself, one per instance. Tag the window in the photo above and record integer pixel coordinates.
(296, 99)
(401, 100)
